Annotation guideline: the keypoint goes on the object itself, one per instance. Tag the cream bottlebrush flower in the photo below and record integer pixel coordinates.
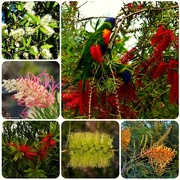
(32, 91)
(45, 53)
(4, 26)
(46, 19)
(17, 34)
(49, 30)
(29, 6)
(30, 30)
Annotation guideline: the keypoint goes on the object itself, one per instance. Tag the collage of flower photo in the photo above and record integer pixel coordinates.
(90, 89)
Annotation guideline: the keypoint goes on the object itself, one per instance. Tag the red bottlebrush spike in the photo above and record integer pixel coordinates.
(127, 91)
(174, 91)
(69, 96)
(158, 70)
(48, 142)
(127, 57)
(172, 66)
(106, 36)
(43, 154)
(96, 53)
(162, 39)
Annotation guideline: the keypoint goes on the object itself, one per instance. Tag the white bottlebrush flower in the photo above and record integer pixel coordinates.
(4, 26)
(45, 53)
(18, 33)
(10, 85)
(17, 44)
(5, 31)
(29, 6)
(30, 30)
(26, 55)
(49, 30)
(35, 49)
(46, 19)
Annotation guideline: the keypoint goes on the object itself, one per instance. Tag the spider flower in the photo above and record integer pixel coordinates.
(32, 91)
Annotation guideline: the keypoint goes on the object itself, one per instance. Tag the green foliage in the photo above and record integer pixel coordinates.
(144, 135)
(30, 30)
(15, 164)
(90, 149)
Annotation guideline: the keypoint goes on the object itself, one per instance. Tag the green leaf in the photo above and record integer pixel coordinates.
(31, 50)
(24, 42)
(20, 6)
(29, 41)
(55, 4)
(47, 46)
(14, 17)
(43, 30)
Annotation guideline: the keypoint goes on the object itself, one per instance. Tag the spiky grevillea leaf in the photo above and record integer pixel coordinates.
(90, 149)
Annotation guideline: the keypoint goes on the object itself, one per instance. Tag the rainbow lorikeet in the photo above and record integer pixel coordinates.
(95, 48)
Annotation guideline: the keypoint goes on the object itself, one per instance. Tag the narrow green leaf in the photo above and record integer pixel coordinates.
(29, 41)
(14, 17)
(47, 46)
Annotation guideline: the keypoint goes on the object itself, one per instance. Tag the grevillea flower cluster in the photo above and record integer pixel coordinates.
(125, 138)
(26, 151)
(32, 91)
(159, 157)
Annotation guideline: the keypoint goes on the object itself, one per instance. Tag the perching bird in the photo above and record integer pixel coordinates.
(95, 48)
(123, 72)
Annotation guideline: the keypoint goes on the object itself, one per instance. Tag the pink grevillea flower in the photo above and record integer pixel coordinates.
(32, 91)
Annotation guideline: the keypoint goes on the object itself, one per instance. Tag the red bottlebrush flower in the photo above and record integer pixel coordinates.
(158, 70)
(177, 43)
(125, 111)
(48, 142)
(127, 57)
(80, 99)
(173, 80)
(43, 154)
(27, 150)
(106, 36)
(162, 39)
(72, 100)
(126, 91)
(96, 53)
(172, 68)
(174, 91)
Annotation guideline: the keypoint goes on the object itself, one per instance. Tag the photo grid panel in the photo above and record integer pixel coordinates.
(90, 89)
(30, 77)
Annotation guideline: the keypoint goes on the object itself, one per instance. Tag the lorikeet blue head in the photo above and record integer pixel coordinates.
(111, 20)
(126, 76)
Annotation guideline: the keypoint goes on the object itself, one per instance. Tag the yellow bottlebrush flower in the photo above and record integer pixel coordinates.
(125, 138)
